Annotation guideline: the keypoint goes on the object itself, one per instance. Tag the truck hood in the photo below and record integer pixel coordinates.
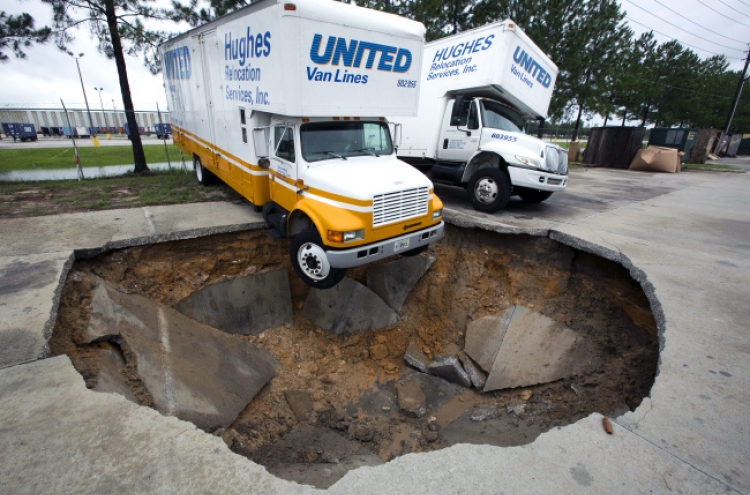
(363, 177)
(521, 144)
(511, 145)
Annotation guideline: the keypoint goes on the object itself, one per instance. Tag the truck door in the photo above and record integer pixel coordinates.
(214, 102)
(458, 143)
(283, 170)
(211, 86)
(198, 119)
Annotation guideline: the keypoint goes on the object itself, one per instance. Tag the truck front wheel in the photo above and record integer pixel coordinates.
(489, 189)
(310, 261)
(533, 195)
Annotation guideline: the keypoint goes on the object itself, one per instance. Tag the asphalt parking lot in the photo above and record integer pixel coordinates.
(685, 237)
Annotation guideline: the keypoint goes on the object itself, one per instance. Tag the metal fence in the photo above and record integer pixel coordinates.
(43, 116)
(52, 124)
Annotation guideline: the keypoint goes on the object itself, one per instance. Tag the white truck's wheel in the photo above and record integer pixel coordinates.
(310, 261)
(489, 189)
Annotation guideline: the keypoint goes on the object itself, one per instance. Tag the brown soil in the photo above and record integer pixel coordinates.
(353, 418)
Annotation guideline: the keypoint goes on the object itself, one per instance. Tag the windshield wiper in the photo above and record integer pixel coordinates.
(331, 153)
(369, 151)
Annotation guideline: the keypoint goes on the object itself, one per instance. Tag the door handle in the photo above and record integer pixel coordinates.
(445, 143)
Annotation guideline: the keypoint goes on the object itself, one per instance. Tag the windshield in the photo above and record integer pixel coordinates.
(499, 116)
(339, 140)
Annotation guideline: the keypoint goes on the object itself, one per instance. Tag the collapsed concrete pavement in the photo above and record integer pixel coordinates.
(683, 237)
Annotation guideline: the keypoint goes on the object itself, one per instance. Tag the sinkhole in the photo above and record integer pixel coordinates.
(311, 384)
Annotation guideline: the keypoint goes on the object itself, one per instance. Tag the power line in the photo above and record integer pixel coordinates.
(699, 25)
(682, 42)
(733, 20)
(743, 3)
(733, 8)
(681, 29)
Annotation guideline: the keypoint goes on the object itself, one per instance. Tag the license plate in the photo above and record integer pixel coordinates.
(400, 245)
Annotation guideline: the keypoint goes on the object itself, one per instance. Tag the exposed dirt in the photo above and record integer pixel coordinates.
(333, 405)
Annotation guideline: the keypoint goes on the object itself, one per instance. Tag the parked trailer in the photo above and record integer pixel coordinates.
(23, 132)
(284, 101)
(478, 89)
(162, 131)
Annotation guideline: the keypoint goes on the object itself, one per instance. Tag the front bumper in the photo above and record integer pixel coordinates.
(537, 179)
(360, 255)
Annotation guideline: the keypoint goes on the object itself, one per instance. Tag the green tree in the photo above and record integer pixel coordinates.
(119, 27)
(17, 32)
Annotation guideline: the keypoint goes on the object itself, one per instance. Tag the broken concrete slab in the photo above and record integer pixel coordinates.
(450, 369)
(477, 377)
(110, 378)
(30, 287)
(411, 400)
(245, 305)
(484, 338)
(348, 308)
(532, 348)
(415, 358)
(192, 371)
(394, 281)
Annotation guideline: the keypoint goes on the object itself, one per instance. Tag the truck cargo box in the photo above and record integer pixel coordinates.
(496, 61)
(306, 59)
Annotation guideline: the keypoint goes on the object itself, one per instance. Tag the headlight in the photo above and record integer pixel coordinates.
(528, 161)
(351, 235)
(437, 214)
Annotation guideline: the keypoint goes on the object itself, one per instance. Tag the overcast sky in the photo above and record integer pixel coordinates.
(46, 75)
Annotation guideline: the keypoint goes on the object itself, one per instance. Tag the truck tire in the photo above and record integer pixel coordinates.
(533, 195)
(310, 261)
(489, 189)
(205, 178)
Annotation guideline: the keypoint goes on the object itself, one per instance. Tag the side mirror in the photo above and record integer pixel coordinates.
(458, 114)
(395, 134)
(260, 141)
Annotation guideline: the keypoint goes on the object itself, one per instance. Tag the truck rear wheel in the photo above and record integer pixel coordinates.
(489, 189)
(310, 261)
(205, 178)
(533, 195)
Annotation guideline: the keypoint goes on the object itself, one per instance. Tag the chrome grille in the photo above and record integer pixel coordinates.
(393, 207)
(556, 160)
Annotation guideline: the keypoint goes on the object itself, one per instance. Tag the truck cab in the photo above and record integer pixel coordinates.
(338, 190)
(483, 148)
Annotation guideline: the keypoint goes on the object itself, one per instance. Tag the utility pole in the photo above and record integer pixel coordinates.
(106, 124)
(737, 93)
(94, 139)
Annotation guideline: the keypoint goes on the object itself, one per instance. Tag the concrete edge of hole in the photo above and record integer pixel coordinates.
(49, 325)
(636, 274)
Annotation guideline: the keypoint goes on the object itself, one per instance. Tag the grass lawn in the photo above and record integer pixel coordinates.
(57, 158)
(24, 199)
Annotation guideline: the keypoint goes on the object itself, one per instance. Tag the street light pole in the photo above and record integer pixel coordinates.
(91, 121)
(106, 124)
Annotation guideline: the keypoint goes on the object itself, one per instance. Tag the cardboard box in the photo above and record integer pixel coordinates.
(656, 159)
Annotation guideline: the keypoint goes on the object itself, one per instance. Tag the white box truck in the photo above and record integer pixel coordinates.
(285, 101)
(478, 88)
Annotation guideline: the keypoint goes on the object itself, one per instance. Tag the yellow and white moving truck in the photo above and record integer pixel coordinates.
(284, 101)
(478, 88)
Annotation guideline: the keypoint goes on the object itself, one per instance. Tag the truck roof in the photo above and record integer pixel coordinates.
(328, 11)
